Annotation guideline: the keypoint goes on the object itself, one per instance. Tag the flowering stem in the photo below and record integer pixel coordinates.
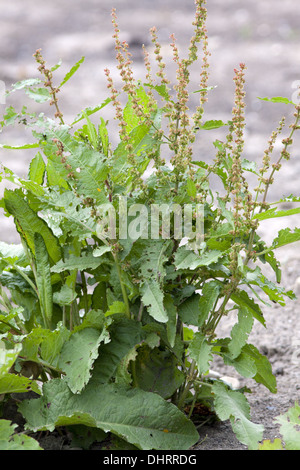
(276, 166)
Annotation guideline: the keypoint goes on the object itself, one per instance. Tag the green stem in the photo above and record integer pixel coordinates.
(189, 381)
(27, 278)
(76, 317)
(5, 300)
(85, 293)
(123, 287)
(49, 366)
(64, 315)
(71, 317)
(14, 328)
(139, 317)
(213, 323)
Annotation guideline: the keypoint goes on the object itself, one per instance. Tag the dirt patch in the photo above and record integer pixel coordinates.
(266, 38)
(280, 342)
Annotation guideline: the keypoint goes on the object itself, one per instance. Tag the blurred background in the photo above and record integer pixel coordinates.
(263, 34)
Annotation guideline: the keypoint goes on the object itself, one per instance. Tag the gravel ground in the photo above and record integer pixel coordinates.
(265, 35)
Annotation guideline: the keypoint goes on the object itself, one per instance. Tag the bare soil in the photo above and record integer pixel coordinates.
(265, 36)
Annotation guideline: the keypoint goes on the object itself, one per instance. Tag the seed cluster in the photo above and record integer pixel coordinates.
(48, 83)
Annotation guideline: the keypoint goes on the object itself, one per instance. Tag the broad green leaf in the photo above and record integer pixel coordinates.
(7, 321)
(240, 332)
(213, 124)
(86, 165)
(40, 95)
(54, 177)
(28, 223)
(37, 169)
(201, 352)
(52, 343)
(156, 371)
(130, 116)
(191, 188)
(227, 214)
(187, 259)
(31, 343)
(162, 90)
(12, 383)
(11, 441)
(32, 186)
(274, 263)
(66, 210)
(100, 250)
(13, 253)
(152, 260)
(123, 372)
(244, 364)
(94, 319)
(242, 299)
(153, 299)
(249, 166)
(142, 418)
(25, 83)
(116, 307)
(45, 344)
(210, 294)
(43, 278)
(91, 131)
(142, 139)
(8, 358)
(264, 373)
(267, 444)
(274, 292)
(78, 355)
(285, 237)
(233, 405)
(65, 296)
(189, 310)
(99, 297)
(124, 335)
(172, 318)
(72, 71)
(81, 263)
(289, 427)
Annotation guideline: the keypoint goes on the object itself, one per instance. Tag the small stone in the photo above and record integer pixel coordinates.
(279, 371)
(231, 382)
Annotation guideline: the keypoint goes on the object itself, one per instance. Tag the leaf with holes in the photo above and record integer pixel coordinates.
(233, 405)
(142, 418)
(78, 355)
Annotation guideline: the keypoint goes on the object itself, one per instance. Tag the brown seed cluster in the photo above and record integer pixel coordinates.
(48, 83)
